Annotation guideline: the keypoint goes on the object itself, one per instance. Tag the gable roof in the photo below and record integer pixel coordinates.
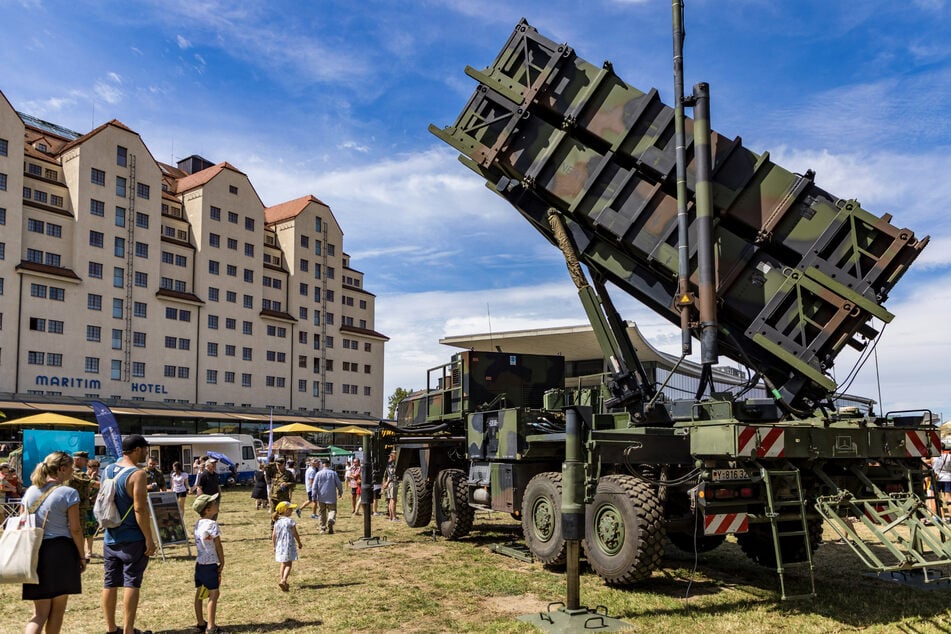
(290, 209)
(114, 123)
(203, 177)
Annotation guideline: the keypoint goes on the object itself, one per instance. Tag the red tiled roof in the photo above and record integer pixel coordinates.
(89, 135)
(200, 178)
(289, 209)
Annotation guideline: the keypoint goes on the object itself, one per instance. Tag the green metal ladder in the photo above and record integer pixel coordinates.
(774, 507)
(899, 522)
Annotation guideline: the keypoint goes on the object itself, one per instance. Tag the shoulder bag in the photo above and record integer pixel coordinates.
(20, 544)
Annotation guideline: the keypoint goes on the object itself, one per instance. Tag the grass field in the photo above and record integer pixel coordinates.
(421, 584)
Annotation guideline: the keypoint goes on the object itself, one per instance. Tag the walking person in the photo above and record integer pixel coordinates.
(389, 487)
(95, 482)
(83, 485)
(329, 489)
(179, 482)
(209, 562)
(259, 488)
(354, 478)
(310, 475)
(61, 561)
(280, 484)
(285, 539)
(127, 547)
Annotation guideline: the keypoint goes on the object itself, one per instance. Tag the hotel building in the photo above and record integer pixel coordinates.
(124, 279)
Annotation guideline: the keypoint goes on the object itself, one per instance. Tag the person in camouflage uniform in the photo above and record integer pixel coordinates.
(83, 485)
(280, 486)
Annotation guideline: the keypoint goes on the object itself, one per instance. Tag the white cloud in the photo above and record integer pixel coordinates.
(182, 42)
(107, 93)
(353, 145)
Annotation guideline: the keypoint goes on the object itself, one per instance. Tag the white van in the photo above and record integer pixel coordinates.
(240, 449)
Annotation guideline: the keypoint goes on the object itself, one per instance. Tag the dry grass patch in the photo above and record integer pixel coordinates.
(416, 584)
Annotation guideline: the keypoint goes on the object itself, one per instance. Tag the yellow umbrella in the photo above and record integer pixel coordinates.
(352, 429)
(49, 418)
(297, 428)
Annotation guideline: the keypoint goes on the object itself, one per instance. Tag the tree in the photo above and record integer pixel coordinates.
(393, 402)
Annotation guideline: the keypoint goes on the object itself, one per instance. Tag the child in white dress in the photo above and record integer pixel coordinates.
(285, 539)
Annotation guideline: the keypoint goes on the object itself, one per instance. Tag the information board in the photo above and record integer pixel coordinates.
(167, 522)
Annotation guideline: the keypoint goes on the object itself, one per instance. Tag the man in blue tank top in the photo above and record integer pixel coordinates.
(127, 547)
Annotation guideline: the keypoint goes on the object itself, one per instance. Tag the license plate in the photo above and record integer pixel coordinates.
(719, 475)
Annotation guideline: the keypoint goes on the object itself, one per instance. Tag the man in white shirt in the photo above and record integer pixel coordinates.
(309, 478)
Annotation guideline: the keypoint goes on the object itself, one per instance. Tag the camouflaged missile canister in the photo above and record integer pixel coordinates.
(800, 273)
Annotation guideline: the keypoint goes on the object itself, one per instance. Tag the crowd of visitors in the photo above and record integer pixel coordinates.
(65, 487)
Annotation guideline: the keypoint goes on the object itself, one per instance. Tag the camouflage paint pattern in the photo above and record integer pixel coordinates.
(800, 273)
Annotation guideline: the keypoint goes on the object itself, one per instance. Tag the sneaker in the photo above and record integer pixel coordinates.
(200, 628)
(297, 511)
(313, 516)
(330, 530)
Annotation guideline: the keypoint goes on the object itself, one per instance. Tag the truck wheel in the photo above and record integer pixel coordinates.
(417, 498)
(757, 544)
(541, 518)
(624, 530)
(451, 490)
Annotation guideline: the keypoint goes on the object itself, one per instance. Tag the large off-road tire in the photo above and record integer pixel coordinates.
(417, 498)
(541, 518)
(451, 503)
(624, 530)
(757, 543)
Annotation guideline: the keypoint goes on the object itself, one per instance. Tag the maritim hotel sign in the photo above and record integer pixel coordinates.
(81, 383)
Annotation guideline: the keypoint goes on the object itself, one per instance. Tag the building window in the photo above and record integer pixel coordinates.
(249, 250)
(53, 259)
(118, 277)
(328, 388)
(142, 191)
(214, 240)
(229, 350)
(249, 276)
(304, 289)
(302, 313)
(38, 290)
(246, 354)
(35, 226)
(213, 267)
(35, 358)
(54, 231)
(94, 302)
(231, 323)
(141, 220)
(232, 244)
(232, 217)
(302, 336)
(140, 309)
(184, 315)
(231, 297)
(184, 344)
(54, 326)
(115, 371)
(183, 372)
(92, 365)
(212, 294)
(37, 324)
(232, 190)
(4, 146)
(119, 247)
(231, 270)
(97, 177)
(245, 380)
(212, 349)
(215, 213)
(303, 265)
(93, 333)
(121, 154)
(34, 255)
(169, 371)
(248, 301)
(141, 279)
(138, 369)
(117, 308)
(120, 216)
(116, 339)
(120, 186)
(54, 359)
(229, 377)
(301, 385)
(211, 376)
(141, 250)
(138, 339)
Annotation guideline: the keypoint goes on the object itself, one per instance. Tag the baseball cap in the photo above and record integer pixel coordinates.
(283, 506)
(133, 442)
(212, 460)
(203, 501)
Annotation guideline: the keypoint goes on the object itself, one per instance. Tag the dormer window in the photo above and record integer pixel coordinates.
(41, 147)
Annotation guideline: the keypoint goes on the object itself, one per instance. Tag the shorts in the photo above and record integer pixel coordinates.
(124, 564)
(312, 496)
(207, 575)
(944, 486)
(377, 492)
(182, 494)
(391, 491)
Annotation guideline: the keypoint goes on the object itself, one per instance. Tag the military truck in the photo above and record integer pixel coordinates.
(759, 264)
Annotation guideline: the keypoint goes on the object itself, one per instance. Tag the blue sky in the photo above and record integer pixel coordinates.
(333, 98)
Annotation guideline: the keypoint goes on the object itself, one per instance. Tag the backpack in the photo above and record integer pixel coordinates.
(105, 509)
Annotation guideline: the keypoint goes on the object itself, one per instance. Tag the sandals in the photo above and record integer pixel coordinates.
(284, 586)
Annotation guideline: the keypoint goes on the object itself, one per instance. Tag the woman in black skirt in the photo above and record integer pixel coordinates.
(61, 564)
(259, 489)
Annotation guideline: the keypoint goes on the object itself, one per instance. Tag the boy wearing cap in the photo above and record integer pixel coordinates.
(209, 562)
